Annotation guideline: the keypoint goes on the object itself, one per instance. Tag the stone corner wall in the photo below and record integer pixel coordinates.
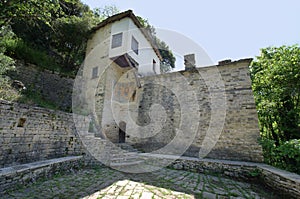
(239, 138)
(285, 183)
(215, 96)
(29, 134)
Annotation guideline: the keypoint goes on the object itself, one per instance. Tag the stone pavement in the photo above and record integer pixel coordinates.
(102, 182)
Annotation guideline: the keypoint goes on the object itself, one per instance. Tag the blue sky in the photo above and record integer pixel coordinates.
(231, 29)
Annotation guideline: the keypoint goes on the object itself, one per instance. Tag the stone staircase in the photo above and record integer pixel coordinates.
(124, 155)
(120, 156)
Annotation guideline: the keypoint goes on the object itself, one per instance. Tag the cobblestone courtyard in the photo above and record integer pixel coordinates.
(107, 183)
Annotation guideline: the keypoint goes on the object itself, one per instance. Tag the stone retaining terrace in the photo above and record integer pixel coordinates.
(24, 174)
(284, 182)
(102, 182)
(185, 178)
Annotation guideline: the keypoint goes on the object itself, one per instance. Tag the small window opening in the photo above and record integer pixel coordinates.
(95, 72)
(135, 45)
(116, 40)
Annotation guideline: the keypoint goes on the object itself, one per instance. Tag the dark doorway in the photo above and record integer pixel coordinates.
(122, 132)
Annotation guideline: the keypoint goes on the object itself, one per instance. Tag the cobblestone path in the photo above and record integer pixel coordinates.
(107, 183)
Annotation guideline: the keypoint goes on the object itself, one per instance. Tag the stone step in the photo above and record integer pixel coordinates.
(126, 147)
(122, 164)
(123, 154)
(92, 137)
(124, 159)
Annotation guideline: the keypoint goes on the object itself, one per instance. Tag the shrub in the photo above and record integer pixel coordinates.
(285, 156)
(33, 97)
(19, 49)
(7, 92)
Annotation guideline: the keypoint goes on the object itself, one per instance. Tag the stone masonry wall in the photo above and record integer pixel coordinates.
(50, 86)
(284, 183)
(218, 99)
(213, 107)
(29, 134)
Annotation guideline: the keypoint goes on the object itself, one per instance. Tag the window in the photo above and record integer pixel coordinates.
(95, 72)
(116, 40)
(135, 45)
(154, 66)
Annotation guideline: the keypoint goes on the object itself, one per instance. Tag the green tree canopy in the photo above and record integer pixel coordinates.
(30, 10)
(276, 85)
(59, 28)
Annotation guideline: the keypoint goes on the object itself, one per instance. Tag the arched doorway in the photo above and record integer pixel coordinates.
(122, 132)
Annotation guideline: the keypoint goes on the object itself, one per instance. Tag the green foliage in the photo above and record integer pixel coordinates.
(19, 49)
(70, 38)
(276, 85)
(168, 59)
(255, 173)
(106, 11)
(6, 63)
(286, 156)
(51, 34)
(7, 92)
(29, 10)
(275, 78)
(32, 97)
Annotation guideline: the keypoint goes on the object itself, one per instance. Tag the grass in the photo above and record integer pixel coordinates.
(32, 97)
(28, 96)
(7, 92)
(19, 49)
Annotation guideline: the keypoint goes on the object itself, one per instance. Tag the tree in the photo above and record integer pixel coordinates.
(59, 28)
(6, 63)
(276, 84)
(71, 32)
(29, 10)
(69, 40)
(168, 59)
(106, 11)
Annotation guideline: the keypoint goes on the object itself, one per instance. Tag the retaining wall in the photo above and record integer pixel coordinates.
(29, 134)
(50, 86)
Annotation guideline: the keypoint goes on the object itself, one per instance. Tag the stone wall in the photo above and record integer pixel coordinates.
(50, 86)
(221, 97)
(12, 177)
(286, 184)
(213, 107)
(29, 134)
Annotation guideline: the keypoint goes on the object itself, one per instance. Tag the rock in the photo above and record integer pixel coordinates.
(18, 85)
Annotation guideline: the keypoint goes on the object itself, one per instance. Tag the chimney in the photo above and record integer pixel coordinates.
(189, 61)
(226, 61)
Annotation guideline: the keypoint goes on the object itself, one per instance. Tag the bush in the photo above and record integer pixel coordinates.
(6, 63)
(7, 92)
(19, 49)
(285, 156)
(35, 98)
